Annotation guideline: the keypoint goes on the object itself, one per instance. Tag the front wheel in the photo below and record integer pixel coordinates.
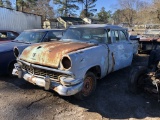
(89, 86)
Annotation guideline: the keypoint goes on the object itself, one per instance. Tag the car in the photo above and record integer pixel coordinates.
(72, 66)
(26, 38)
(147, 77)
(148, 41)
(7, 35)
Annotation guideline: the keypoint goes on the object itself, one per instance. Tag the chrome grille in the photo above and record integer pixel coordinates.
(41, 72)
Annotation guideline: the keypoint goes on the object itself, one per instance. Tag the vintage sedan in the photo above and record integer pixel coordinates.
(24, 40)
(7, 35)
(73, 65)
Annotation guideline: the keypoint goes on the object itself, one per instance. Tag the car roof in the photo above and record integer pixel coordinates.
(44, 30)
(8, 31)
(106, 26)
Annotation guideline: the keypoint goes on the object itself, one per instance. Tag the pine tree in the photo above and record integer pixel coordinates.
(1, 3)
(89, 7)
(66, 7)
(103, 15)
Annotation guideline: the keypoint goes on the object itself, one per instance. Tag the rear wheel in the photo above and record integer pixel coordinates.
(89, 86)
(137, 78)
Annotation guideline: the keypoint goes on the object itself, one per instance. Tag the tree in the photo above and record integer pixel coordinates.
(89, 7)
(42, 7)
(25, 4)
(129, 8)
(6, 3)
(1, 3)
(66, 7)
(84, 14)
(103, 15)
(157, 9)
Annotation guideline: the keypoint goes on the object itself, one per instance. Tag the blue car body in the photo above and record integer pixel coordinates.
(7, 58)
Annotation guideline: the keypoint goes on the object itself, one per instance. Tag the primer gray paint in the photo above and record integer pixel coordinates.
(18, 21)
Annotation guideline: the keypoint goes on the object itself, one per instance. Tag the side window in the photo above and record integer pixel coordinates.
(109, 36)
(11, 35)
(58, 34)
(123, 36)
(115, 35)
(51, 36)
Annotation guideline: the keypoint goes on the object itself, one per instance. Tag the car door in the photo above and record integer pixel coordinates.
(119, 52)
(128, 49)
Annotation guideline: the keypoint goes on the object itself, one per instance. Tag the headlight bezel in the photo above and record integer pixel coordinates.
(16, 52)
(66, 62)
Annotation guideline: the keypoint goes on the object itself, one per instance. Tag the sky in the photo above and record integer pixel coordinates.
(108, 4)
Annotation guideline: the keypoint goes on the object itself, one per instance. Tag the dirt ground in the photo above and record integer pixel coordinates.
(20, 100)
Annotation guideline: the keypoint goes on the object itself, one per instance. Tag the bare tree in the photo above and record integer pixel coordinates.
(42, 7)
(156, 8)
(129, 8)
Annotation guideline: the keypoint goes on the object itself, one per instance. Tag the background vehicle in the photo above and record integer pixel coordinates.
(73, 65)
(24, 40)
(6, 35)
(146, 78)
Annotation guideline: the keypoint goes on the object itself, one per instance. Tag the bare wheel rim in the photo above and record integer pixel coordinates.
(87, 86)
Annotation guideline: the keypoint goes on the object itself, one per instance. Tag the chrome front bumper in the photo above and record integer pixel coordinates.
(66, 87)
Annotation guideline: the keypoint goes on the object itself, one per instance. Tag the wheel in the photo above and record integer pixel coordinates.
(89, 86)
(10, 69)
(137, 79)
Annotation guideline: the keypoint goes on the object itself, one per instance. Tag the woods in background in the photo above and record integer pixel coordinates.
(127, 11)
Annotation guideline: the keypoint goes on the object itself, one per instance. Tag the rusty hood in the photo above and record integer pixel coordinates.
(50, 54)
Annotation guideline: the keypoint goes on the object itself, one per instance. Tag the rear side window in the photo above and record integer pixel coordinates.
(115, 36)
(122, 36)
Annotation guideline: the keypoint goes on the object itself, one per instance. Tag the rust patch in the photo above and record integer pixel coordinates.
(50, 54)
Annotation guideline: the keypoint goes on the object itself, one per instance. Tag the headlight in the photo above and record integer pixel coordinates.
(66, 62)
(16, 52)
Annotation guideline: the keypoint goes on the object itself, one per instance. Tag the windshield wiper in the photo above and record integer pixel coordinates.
(21, 41)
(28, 42)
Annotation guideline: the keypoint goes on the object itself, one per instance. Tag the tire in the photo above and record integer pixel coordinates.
(89, 86)
(10, 69)
(136, 79)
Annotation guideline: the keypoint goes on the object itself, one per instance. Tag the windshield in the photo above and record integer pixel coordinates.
(30, 37)
(96, 35)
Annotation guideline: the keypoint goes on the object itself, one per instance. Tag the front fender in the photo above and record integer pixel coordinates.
(85, 59)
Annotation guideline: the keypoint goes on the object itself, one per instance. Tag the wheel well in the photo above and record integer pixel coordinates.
(11, 64)
(96, 70)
